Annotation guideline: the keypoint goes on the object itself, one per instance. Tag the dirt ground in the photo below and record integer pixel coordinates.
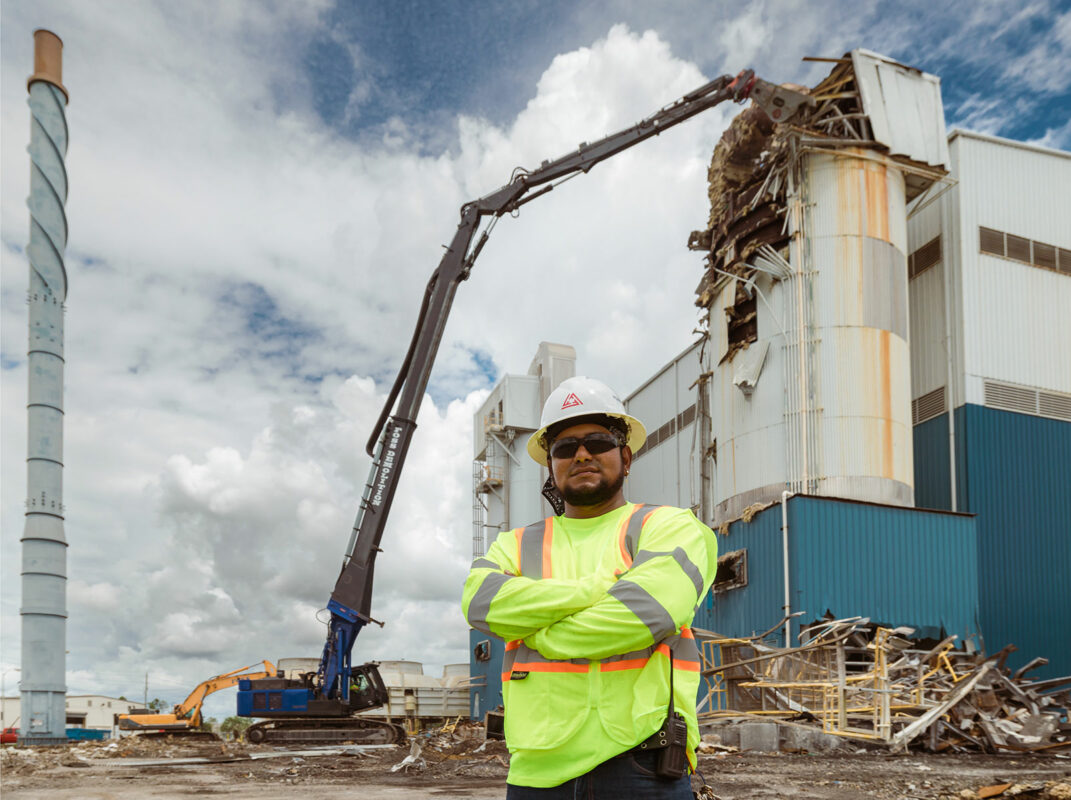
(460, 767)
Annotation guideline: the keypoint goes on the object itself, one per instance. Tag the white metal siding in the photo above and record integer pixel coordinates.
(926, 299)
(1016, 322)
(665, 473)
(904, 107)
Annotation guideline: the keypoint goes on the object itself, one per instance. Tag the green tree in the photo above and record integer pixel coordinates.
(234, 727)
(209, 724)
(158, 705)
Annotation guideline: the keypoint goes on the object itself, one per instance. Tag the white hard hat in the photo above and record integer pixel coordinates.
(582, 397)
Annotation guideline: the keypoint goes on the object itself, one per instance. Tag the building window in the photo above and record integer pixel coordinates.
(732, 571)
(1044, 255)
(686, 417)
(991, 241)
(482, 651)
(924, 258)
(1019, 248)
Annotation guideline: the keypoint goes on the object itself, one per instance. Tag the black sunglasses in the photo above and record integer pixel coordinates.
(594, 443)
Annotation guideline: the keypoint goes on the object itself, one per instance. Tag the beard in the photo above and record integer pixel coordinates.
(594, 495)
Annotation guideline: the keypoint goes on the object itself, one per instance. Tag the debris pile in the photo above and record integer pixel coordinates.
(1034, 790)
(876, 684)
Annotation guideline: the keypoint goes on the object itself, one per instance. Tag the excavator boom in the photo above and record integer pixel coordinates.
(186, 716)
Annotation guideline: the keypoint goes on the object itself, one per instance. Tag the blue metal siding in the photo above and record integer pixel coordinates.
(758, 606)
(932, 481)
(898, 566)
(1018, 481)
(486, 692)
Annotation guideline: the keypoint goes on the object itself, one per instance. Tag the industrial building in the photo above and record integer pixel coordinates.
(89, 712)
(866, 273)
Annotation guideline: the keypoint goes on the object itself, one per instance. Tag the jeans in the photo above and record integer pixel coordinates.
(627, 777)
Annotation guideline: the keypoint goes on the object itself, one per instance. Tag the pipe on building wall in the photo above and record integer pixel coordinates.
(950, 393)
(44, 545)
(784, 549)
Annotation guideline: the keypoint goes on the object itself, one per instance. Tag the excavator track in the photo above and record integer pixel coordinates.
(325, 730)
(192, 735)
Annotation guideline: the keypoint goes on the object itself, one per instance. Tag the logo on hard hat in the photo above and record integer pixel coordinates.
(572, 400)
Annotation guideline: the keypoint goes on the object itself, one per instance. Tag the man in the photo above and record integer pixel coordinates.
(594, 605)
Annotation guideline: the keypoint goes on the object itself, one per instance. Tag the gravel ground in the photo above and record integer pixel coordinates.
(455, 767)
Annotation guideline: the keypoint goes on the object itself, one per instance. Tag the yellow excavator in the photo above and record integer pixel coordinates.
(186, 716)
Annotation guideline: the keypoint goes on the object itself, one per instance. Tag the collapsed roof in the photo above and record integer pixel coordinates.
(867, 102)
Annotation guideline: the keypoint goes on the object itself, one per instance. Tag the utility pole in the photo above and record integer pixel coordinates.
(145, 704)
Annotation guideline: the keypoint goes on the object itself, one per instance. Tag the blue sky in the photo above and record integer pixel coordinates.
(259, 191)
(425, 62)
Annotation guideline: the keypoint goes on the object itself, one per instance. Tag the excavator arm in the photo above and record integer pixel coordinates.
(187, 714)
(350, 603)
(190, 708)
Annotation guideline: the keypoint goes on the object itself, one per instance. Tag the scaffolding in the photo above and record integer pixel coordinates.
(856, 680)
(489, 476)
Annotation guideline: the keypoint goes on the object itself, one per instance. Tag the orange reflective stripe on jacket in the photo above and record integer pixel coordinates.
(681, 648)
(522, 659)
(628, 536)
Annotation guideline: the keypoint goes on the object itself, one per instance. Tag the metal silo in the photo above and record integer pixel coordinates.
(848, 377)
(44, 546)
(807, 288)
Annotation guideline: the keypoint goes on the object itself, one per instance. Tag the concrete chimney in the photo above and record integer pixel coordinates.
(44, 546)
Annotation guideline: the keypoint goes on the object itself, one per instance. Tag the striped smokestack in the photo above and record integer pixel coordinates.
(44, 546)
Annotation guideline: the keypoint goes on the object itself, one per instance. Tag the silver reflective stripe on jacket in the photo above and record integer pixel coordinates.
(643, 604)
(681, 557)
(683, 648)
(485, 563)
(526, 655)
(531, 550)
(480, 607)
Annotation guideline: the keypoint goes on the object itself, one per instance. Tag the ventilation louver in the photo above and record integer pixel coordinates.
(1011, 398)
(1055, 405)
(1027, 400)
(930, 405)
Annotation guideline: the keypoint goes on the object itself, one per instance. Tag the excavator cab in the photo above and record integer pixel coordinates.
(367, 689)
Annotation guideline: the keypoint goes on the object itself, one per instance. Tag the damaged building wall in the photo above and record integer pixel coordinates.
(806, 289)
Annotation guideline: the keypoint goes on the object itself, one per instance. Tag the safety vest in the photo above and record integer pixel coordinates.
(592, 612)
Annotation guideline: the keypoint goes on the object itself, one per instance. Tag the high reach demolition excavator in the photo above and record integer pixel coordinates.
(321, 705)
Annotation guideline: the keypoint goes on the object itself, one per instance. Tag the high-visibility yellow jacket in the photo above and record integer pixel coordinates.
(592, 610)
